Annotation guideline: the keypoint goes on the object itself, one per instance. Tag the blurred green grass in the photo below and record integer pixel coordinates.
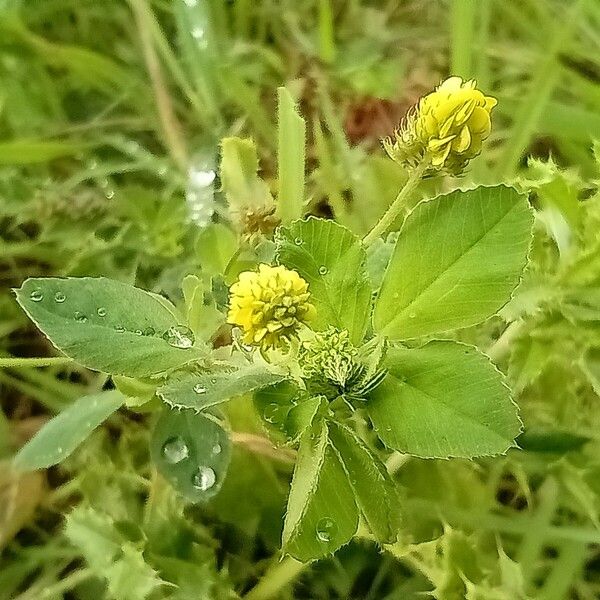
(105, 110)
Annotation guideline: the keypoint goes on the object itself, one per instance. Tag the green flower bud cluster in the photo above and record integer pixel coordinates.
(330, 357)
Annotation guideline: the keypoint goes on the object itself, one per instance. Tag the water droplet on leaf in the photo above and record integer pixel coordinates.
(326, 529)
(179, 336)
(199, 389)
(175, 450)
(119, 328)
(138, 332)
(149, 331)
(298, 241)
(80, 317)
(101, 311)
(323, 270)
(204, 478)
(217, 449)
(36, 296)
(59, 297)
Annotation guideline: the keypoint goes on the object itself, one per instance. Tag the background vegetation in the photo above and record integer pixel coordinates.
(111, 116)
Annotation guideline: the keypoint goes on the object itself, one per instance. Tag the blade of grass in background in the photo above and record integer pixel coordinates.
(463, 18)
(169, 124)
(290, 157)
(326, 32)
(22, 152)
(541, 88)
(482, 67)
(200, 54)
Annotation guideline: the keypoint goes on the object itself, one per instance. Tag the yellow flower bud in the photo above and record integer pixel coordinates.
(269, 305)
(447, 126)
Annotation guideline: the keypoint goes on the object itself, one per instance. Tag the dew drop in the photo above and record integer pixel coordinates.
(412, 315)
(216, 449)
(175, 450)
(179, 336)
(138, 332)
(59, 297)
(200, 189)
(149, 331)
(199, 389)
(272, 413)
(326, 529)
(101, 311)
(204, 478)
(298, 241)
(213, 380)
(119, 329)
(198, 34)
(323, 270)
(80, 317)
(36, 295)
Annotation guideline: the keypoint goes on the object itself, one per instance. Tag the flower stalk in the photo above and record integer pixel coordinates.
(397, 206)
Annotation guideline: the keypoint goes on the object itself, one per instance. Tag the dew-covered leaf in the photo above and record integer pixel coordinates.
(192, 451)
(321, 514)
(58, 438)
(332, 260)
(457, 260)
(442, 400)
(109, 326)
(209, 389)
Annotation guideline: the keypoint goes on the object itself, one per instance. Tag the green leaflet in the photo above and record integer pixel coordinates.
(107, 325)
(58, 438)
(457, 260)
(372, 486)
(331, 259)
(192, 451)
(443, 400)
(209, 389)
(321, 515)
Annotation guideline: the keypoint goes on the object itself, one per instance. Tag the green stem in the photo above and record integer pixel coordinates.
(500, 349)
(275, 579)
(49, 361)
(67, 583)
(397, 205)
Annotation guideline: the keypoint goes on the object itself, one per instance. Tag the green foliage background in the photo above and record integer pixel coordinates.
(110, 110)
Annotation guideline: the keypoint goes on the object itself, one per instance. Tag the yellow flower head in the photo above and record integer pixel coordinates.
(448, 125)
(269, 305)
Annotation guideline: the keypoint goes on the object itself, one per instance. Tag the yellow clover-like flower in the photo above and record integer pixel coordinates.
(269, 305)
(448, 125)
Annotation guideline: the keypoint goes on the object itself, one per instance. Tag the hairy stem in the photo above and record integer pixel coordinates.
(500, 349)
(279, 575)
(49, 361)
(398, 204)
